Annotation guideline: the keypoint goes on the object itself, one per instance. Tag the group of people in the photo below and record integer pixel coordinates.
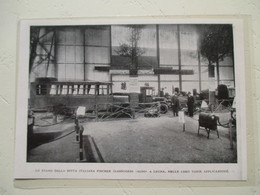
(176, 104)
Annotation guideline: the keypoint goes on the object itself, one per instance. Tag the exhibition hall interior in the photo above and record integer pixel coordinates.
(132, 93)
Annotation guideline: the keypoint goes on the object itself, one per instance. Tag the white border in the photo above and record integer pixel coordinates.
(24, 170)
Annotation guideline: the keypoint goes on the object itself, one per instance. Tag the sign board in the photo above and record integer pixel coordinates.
(181, 117)
(81, 111)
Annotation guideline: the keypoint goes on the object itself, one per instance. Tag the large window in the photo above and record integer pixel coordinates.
(97, 52)
(121, 47)
(189, 45)
(147, 59)
(90, 52)
(134, 47)
(81, 51)
(178, 50)
(70, 56)
(168, 44)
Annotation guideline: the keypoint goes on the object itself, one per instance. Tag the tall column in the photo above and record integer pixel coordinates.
(55, 51)
(217, 67)
(110, 48)
(84, 53)
(158, 57)
(199, 66)
(49, 53)
(179, 56)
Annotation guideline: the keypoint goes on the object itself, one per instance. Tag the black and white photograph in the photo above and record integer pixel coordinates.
(151, 99)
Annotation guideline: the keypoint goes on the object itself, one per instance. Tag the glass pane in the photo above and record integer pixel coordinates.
(60, 54)
(94, 75)
(189, 45)
(120, 62)
(61, 72)
(188, 37)
(70, 54)
(79, 54)
(47, 39)
(226, 73)
(189, 57)
(122, 46)
(39, 49)
(203, 61)
(97, 55)
(204, 85)
(120, 35)
(70, 36)
(97, 35)
(168, 44)
(79, 36)
(90, 72)
(228, 61)
(204, 73)
(168, 57)
(51, 70)
(70, 72)
(61, 36)
(40, 70)
(194, 76)
(146, 46)
(42, 49)
(79, 74)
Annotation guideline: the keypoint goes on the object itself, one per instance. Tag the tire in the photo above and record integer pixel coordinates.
(163, 108)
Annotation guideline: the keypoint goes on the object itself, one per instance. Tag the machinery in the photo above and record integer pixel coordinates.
(209, 122)
(63, 97)
(147, 95)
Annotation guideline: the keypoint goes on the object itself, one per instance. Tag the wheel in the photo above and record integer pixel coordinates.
(163, 108)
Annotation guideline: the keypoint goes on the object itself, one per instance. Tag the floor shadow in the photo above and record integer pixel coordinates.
(37, 139)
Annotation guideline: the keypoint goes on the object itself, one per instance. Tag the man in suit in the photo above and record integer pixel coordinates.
(190, 104)
(175, 104)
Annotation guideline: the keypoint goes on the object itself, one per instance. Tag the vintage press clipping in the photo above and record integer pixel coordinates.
(159, 99)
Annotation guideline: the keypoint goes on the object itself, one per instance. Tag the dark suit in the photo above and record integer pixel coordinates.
(190, 104)
(175, 105)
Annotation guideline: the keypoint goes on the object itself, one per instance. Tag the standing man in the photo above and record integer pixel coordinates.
(190, 104)
(175, 104)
